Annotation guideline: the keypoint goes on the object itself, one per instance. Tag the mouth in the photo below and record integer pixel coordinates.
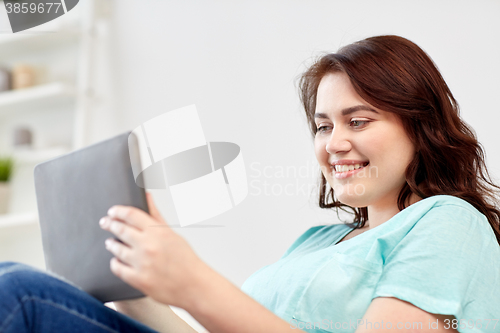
(347, 170)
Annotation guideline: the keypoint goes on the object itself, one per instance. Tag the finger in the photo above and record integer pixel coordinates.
(132, 215)
(153, 211)
(124, 272)
(120, 251)
(126, 233)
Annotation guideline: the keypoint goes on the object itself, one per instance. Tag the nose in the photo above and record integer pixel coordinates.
(338, 142)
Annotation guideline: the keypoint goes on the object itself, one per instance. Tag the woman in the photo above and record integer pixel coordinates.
(421, 252)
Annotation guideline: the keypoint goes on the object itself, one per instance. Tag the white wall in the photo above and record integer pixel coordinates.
(238, 61)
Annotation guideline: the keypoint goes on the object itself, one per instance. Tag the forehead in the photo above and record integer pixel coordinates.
(336, 92)
(336, 97)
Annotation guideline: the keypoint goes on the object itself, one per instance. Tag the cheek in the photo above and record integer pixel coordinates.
(319, 151)
(392, 153)
(322, 157)
(404, 151)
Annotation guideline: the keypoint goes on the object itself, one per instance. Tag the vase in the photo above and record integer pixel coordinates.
(4, 197)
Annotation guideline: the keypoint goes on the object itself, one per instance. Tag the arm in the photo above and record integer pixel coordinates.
(158, 316)
(223, 307)
(161, 264)
(219, 306)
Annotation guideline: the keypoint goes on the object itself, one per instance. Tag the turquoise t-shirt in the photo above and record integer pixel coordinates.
(440, 254)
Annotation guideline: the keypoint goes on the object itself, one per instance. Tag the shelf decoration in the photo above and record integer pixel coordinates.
(6, 165)
(23, 76)
(4, 79)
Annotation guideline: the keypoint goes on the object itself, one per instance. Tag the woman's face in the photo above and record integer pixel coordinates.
(353, 134)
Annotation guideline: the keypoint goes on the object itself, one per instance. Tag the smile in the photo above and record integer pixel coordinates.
(347, 170)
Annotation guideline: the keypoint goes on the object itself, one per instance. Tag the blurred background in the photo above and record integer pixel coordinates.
(107, 66)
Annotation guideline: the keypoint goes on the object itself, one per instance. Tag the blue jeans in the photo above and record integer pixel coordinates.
(33, 301)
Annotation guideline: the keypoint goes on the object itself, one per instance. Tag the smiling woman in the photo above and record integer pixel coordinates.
(423, 244)
(382, 104)
(421, 253)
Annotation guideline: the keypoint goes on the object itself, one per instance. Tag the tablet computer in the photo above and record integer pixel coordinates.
(73, 192)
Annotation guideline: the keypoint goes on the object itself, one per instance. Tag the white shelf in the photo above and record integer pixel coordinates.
(13, 220)
(61, 50)
(35, 156)
(36, 41)
(37, 95)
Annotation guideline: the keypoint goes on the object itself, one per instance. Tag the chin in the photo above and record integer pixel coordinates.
(353, 195)
(353, 200)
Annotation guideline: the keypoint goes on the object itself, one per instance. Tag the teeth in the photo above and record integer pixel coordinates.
(345, 167)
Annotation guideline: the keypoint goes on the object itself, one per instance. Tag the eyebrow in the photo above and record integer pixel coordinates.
(347, 111)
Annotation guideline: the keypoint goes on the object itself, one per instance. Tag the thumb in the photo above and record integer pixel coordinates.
(153, 211)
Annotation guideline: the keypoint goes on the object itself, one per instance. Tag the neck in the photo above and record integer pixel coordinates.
(383, 211)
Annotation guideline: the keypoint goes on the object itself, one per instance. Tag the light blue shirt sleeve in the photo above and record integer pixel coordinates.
(448, 261)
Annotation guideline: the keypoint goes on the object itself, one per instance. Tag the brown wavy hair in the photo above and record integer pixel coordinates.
(395, 75)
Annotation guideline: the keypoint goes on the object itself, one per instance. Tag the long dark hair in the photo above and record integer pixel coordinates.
(395, 75)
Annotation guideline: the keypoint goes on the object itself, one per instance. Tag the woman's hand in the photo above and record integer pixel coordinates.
(152, 258)
(162, 265)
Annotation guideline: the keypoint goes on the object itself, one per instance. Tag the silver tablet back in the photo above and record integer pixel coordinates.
(73, 192)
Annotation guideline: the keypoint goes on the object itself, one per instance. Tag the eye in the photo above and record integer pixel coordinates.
(321, 129)
(358, 123)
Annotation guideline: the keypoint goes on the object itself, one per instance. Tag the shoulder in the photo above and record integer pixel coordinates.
(446, 220)
(447, 202)
(444, 224)
(447, 209)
